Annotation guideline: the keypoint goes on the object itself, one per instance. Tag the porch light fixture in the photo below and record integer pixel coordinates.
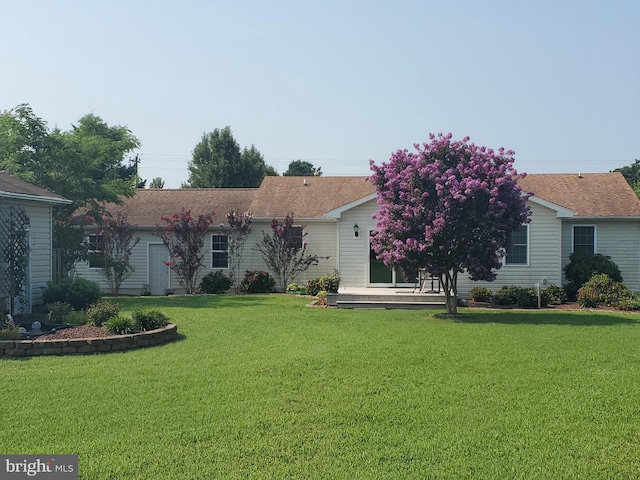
(356, 231)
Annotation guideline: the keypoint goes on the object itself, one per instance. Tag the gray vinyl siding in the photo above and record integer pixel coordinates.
(40, 232)
(353, 256)
(544, 265)
(132, 285)
(320, 239)
(619, 239)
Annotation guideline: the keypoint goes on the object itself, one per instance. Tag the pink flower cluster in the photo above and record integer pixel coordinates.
(448, 206)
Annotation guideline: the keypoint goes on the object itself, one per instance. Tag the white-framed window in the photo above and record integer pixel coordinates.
(95, 243)
(517, 251)
(219, 251)
(584, 238)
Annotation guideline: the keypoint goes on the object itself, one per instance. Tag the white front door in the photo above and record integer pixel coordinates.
(158, 270)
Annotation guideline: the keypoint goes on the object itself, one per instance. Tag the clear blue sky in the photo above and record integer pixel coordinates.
(335, 83)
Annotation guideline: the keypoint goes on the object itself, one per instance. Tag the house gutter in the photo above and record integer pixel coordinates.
(35, 198)
(594, 219)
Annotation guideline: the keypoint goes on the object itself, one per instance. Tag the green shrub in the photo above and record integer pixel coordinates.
(329, 283)
(582, 266)
(297, 289)
(76, 318)
(59, 312)
(148, 319)
(527, 297)
(77, 292)
(9, 334)
(587, 296)
(215, 282)
(524, 297)
(555, 295)
(119, 325)
(101, 312)
(257, 281)
(629, 303)
(602, 290)
(506, 295)
(481, 294)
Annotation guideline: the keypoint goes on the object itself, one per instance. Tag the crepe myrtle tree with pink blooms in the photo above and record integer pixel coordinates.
(117, 239)
(448, 207)
(183, 235)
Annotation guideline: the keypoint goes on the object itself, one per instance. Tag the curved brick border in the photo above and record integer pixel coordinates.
(119, 343)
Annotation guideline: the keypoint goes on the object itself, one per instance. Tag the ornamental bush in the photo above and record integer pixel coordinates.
(629, 304)
(602, 290)
(59, 312)
(328, 283)
(148, 319)
(215, 282)
(506, 295)
(297, 289)
(77, 292)
(101, 312)
(582, 266)
(119, 325)
(481, 294)
(524, 297)
(555, 295)
(257, 281)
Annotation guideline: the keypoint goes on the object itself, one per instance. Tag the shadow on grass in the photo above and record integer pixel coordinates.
(548, 317)
(191, 301)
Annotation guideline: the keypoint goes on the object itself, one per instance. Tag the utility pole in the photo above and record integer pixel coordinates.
(136, 161)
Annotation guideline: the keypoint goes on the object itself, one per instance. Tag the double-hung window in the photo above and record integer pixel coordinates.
(518, 247)
(219, 251)
(95, 243)
(584, 238)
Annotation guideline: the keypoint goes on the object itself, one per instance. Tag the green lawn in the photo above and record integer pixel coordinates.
(264, 387)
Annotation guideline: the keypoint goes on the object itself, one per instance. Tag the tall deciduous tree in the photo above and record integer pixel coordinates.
(302, 168)
(631, 173)
(449, 207)
(218, 162)
(183, 235)
(83, 164)
(157, 182)
(118, 240)
(284, 251)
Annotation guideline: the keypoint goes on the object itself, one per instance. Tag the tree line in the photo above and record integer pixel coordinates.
(90, 165)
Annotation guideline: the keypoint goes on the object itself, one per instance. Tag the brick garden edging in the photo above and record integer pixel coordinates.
(82, 346)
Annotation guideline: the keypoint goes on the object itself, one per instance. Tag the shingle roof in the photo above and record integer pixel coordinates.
(147, 206)
(12, 186)
(587, 194)
(307, 197)
(591, 195)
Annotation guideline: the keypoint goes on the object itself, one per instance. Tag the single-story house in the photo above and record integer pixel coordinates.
(598, 212)
(18, 198)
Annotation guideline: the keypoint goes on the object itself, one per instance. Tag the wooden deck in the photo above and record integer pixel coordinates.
(386, 298)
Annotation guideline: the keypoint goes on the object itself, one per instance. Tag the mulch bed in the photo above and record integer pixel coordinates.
(72, 333)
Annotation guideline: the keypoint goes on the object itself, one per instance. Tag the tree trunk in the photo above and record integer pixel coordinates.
(449, 282)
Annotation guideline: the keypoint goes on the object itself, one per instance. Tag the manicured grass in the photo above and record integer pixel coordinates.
(264, 387)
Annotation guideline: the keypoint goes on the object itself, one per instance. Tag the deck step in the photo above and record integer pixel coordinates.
(388, 305)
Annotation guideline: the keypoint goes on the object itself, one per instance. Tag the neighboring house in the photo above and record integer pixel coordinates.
(19, 196)
(594, 212)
